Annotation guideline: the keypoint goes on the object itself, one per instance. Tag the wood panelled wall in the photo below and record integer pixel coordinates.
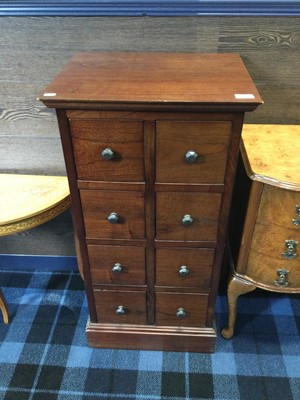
(33, 50)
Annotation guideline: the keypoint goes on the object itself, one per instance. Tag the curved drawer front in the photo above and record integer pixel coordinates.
(179, 309)
(274, 258)
(274, 274)
(189, 268)
(192, 151)
(187, 216)
(121, 307)
(270, 252)
(113, 215)
(107, 150)
(123, 265)
(280, 207)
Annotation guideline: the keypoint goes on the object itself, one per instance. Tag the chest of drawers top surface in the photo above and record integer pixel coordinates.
(153, 77)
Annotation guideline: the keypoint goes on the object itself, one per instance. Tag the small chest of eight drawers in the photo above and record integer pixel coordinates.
(151, 145)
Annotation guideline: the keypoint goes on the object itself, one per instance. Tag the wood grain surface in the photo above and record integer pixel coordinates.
(273, 152)
(103, 78)
(204, 208)
(124, 139)
(25, 196)
(134, 304)
(194, 306)
(273, 227)
(97, 205)
(34, 49)
(130, 259)
(197, 261)
(210, 141)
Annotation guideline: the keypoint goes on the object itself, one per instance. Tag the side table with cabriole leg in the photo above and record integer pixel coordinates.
(264, 231)
(27, 201)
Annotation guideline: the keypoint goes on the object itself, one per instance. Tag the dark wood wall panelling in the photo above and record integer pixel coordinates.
(34, 49)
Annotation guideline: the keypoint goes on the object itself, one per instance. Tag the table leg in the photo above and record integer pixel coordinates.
(3, 307)
(78, 254)
(236, 287)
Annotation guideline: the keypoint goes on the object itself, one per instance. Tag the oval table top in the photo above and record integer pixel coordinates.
(30, 200)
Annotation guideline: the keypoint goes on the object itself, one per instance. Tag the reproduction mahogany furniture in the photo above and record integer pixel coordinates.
(151, 145)
(265, 225)
(27, 201)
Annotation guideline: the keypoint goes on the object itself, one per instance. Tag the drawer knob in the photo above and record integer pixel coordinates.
(191, 156)
(290, 253)
(282, 280)
(120, 310)
(181, 313)
(187, 220)
(296, 221)
(117, 268)
(113, 218)
(107, 154)
(183, 271)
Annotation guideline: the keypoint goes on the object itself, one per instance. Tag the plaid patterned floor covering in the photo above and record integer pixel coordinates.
(44, 354)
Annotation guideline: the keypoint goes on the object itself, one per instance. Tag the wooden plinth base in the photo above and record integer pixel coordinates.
(137, 337)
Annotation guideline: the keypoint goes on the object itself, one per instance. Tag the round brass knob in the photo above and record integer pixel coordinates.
(113, 218)
(183, 271)
(191, 156)
(181, 313)
(187, 220)
(107, 154)
(117, 268)
(120, 310)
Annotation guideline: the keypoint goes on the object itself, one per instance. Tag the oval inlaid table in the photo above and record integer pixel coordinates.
(27, 201)
(264, 230)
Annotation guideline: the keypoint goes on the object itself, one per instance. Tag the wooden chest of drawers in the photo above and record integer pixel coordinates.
(151, 144)
(265, 227)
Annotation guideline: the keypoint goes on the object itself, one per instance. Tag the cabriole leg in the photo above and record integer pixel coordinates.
(236, 287)
(3, 307)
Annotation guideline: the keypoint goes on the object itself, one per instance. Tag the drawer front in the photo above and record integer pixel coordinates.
(187, 216)
(192, 151)
(280, 207)
(179, 309)
(108, 150)
(275, 251)
(113, 215)
(275, 247)
(121, 307)
(123, 265)
(184, 268)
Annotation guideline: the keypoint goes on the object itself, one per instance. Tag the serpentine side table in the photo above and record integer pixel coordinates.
(265, 224)
(27, 201)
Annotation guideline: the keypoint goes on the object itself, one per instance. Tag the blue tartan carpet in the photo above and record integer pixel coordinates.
(44, 353)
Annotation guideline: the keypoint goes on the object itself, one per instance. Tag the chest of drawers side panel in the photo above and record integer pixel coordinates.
(79, 230)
